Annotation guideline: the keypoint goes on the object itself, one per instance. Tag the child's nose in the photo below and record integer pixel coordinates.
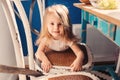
(56, 26)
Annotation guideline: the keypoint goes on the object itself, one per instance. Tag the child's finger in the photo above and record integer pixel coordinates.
(71, 65)
(47, 68)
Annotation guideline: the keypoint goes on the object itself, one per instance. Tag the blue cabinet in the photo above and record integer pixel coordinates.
(108, 29)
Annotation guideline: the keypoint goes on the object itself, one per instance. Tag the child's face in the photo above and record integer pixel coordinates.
(55, 26)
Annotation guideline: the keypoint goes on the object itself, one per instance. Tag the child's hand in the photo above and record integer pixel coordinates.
(76, 65)
(46, 66)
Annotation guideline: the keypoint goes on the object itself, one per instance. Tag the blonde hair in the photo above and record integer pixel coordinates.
(63, 14)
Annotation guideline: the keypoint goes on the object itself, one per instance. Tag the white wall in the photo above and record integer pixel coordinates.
(7, 56)
(102, 48)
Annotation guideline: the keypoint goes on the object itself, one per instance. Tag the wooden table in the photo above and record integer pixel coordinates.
(107, 21)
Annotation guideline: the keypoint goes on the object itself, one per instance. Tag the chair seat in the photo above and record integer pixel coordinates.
(82, 75)
(71, 77)
(65, 58)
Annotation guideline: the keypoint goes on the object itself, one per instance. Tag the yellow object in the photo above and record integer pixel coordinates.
(107, 4)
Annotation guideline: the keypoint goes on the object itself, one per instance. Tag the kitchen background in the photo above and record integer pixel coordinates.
(101, 51)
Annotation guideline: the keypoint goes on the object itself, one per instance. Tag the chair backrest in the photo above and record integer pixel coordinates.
(41, 9)
(27, 30)
(8, 8)
(65, 58)
(41, 6)
(61, 61)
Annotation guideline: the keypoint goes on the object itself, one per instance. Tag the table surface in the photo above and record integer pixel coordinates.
(112, 16)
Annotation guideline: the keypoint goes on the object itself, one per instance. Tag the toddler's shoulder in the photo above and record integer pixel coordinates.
(70, 43)
(43, 40)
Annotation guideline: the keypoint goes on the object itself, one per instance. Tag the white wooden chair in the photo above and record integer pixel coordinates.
(10, 16)
(41, 8)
